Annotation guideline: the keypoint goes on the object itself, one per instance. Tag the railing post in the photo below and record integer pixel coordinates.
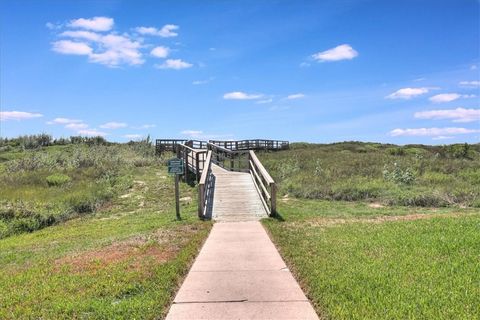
(273, 199)
(201, 200)
(197, 165)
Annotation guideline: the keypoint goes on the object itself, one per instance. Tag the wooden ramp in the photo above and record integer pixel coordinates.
(235, 196)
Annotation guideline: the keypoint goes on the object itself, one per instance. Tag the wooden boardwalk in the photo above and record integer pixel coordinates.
(235, 197)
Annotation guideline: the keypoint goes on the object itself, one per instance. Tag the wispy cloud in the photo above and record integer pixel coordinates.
(407, 93)
(145, 126)
(113, 125)
(176, 64)
(133, 136)
(341, 52)
(434, 132)
(239, 95)
(456, 115)
(295, 96)
(76, 126)
(199, 82)
(470, 84)
(160, 52)
(167, 31)
(18, 115)
(264, 101)
(92, 132)
(199, 134)
(448, 97)
(95, 23)
(64, 121)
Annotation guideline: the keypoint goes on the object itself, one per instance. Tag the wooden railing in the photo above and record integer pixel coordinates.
(228, 159)
(194, 159)
(205, 188)
(162, 145)
(254, 144)
(230, 155)
(265, 185)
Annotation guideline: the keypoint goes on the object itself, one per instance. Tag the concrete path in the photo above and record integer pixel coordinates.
(239, 274)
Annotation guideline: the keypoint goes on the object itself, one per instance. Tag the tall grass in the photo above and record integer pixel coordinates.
(45, 186)
(410, 175)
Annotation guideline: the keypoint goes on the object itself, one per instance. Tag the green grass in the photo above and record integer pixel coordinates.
(123, 261)
(45, 186)
(358, 262)
(411, 175)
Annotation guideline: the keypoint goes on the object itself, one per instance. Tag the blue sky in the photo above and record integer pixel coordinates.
(317, 71)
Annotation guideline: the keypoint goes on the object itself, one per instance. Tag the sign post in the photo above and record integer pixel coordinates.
(175, 167)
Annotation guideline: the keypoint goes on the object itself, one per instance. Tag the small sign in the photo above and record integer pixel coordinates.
(175, 166)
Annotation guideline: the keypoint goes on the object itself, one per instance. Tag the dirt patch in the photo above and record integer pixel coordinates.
(376, 205)
(381, 219)
(159, 247)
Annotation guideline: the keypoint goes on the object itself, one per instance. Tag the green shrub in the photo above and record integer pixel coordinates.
(396, 151)
(398, 175)
(57, 179)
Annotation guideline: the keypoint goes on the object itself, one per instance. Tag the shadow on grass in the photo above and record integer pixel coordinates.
(277, 216)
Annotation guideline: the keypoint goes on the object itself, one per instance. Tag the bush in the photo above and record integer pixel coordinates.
(57, 179)
(398, 175)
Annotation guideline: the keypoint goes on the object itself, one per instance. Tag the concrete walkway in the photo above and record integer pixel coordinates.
(239, 274)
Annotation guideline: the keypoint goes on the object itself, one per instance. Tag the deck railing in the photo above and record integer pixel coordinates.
(205, 188)
(264, 183)
(253, 144)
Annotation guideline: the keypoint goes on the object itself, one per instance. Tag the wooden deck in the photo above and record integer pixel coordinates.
(233, 185)
(235, 197)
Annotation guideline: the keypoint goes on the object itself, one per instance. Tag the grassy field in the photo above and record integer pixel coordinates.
(358, 261)
(123, 259)
(410, 175)
(88, 229)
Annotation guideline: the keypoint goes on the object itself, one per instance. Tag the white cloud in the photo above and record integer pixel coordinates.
(434, 132)
(198, 134)
(341, 52)
(470, 84)
(160, 52)
(132, 136)
(457, 115)
(76, 126)
(64, 121)
(71, 47)
(91, 132)
(198, 82)
(108, 49)
(473, 67)
(407, 93)
(167, 31)
(192, 133)
(95, 23)
(81, 34)
(447, 97)
(442, 137)
(118, 50)
(296, 96)
(145, 126)
(269, 100)
(113, 125)
(304, 64)
(18, 115)
(176, 64)
(238, 95)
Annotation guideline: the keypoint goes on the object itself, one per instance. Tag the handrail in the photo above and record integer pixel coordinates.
(264, 183)
(228, 159)
(204, 186)
(252, 144)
